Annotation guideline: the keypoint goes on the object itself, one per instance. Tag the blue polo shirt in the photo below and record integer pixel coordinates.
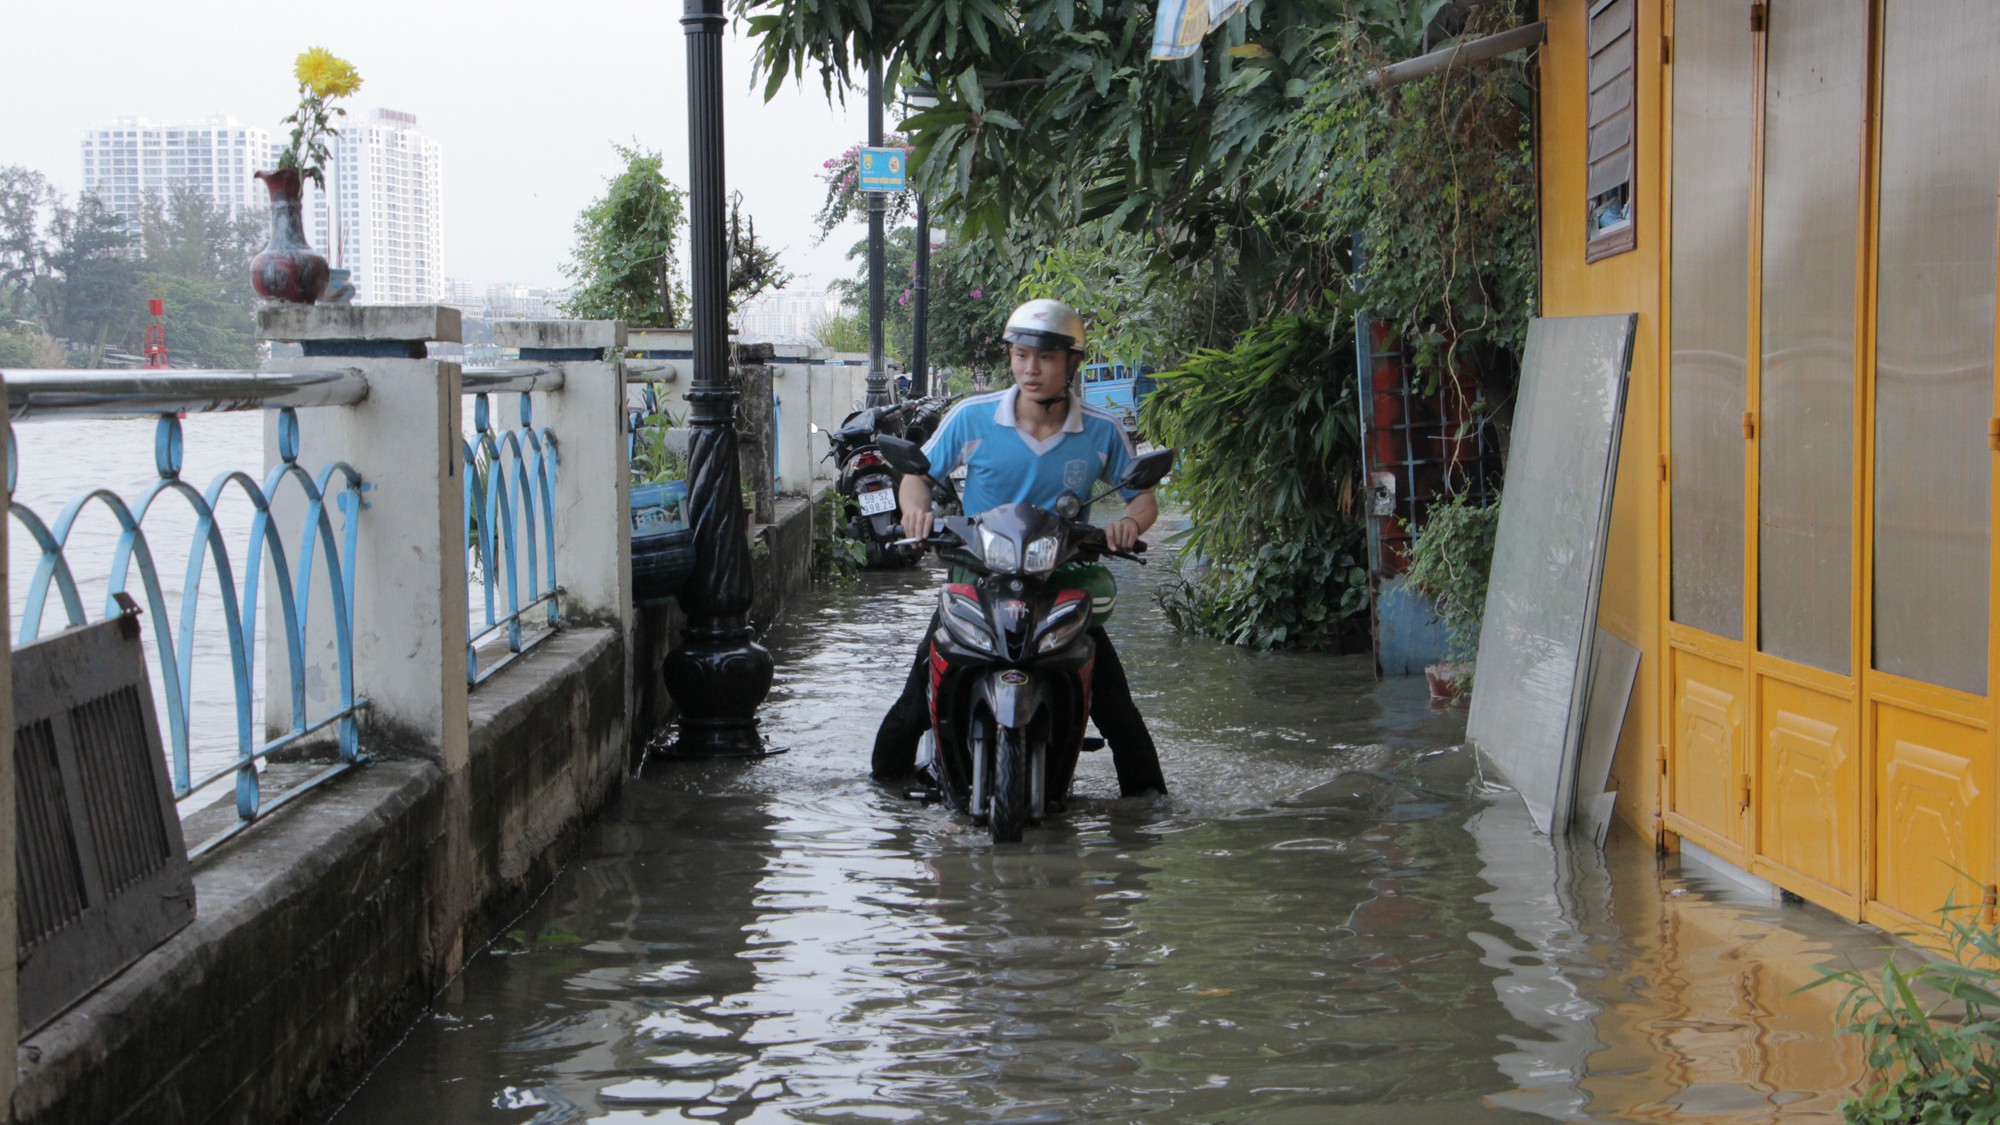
(1006, 466)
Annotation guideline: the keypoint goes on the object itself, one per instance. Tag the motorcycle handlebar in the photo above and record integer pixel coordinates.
(944, 538)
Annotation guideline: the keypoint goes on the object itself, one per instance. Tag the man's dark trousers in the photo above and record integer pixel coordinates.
(1133, 754)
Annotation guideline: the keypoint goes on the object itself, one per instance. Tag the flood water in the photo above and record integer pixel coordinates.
(1332, 918)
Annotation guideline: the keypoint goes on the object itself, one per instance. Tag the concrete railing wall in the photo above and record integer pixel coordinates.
(323, 930)
(807, 386)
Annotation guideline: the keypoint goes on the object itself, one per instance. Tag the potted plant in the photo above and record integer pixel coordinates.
(288, 269)
(1449, 560)
(662, 542)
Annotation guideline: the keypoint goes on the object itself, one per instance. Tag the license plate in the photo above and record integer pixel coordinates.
(877, 502)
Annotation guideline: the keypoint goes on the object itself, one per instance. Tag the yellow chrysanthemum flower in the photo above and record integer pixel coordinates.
(325, 74)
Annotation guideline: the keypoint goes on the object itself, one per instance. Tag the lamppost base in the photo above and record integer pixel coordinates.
(706, 742)
(717, 678)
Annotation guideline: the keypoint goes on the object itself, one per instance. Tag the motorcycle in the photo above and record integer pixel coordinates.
(1011, 657)
(868, 482)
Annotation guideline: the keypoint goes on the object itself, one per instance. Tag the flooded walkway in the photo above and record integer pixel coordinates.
(1332, 919)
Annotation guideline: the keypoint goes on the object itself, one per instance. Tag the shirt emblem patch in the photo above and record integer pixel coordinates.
(1076, 474)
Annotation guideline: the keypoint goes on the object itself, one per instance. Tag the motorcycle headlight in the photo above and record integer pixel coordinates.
(966, 624)
(1040, 557)
(1001, 556)
(1062, 626)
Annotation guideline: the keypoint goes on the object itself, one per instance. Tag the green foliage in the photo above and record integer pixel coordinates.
(837, 558)
(1435, 181)
(29, 347)
(1449, 563)
(1244, 172)
(652, 461)
(1050, 112)
(1289, 594)
(846, 202)
(91, 292)
(23, 194)
(753, 267)
(624, 264)
(1931, 1032)
(75, 273)
(841, 331)
(1269, 472)
(967, 306)
(1132, 315)
(1206, 208)
(197, 259)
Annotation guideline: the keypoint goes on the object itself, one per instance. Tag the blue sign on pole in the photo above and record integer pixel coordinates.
(882, 170)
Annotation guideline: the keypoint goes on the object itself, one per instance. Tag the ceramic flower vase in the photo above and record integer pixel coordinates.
(287, 269)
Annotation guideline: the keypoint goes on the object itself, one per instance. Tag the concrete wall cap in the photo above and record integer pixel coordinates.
(799, 353)
(298, 323)
(559, 333)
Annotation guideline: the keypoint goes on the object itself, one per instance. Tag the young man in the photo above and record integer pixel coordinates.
(1030, 444)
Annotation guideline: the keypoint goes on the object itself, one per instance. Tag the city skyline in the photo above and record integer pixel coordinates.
(385, 178)
(526, 110)
(133, 155)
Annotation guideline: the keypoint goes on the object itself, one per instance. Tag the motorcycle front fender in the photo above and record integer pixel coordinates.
(1011, 704)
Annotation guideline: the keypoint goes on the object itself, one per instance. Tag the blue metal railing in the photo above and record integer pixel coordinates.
(33, 395)
(510, 481)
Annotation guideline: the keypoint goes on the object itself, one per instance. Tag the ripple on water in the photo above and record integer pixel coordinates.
(1330, 912)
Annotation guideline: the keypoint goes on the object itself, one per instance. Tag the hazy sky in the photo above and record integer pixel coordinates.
(523, 99)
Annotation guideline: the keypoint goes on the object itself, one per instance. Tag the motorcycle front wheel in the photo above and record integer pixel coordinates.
(1009, 803)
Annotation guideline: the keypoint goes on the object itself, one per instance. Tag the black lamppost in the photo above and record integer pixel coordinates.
(920, 99)
(878, 374)
(920, 343)
(719, 674)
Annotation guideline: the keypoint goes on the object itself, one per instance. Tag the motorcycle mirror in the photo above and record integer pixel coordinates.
(1148, 469)
(813, 427)
(1068, 505)
(903, 455)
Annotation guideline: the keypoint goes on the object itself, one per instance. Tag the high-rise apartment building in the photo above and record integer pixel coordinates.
(784, 315)
(385, 182)
(214, 155)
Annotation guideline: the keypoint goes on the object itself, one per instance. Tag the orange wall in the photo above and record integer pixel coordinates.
(1633, 604)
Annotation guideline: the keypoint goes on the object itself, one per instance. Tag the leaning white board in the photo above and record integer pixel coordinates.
(1548, 559)
(1614, 666)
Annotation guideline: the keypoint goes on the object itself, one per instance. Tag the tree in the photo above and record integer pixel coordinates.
(841, 331)
(753, 267)
(844, 198)
(92, 293)
(1202, 213)
(196, 258)
(23, 195)
(625, 266)
(29, 346)
(968, 305)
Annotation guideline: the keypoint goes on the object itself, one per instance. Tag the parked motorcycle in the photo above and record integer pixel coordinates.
(868, 482)
(1012, 663)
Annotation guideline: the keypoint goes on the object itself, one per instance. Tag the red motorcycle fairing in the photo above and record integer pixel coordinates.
(957, 680)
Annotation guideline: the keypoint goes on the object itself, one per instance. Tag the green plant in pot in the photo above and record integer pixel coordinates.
(662, 542)
(1449, 561)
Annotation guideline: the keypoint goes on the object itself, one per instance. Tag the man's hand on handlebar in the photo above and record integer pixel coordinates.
(913, 495)
(1120, 534)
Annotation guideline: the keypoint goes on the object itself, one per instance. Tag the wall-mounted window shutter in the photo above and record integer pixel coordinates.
(1612, 128)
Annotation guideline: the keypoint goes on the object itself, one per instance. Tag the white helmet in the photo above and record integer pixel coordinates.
(1043, 323)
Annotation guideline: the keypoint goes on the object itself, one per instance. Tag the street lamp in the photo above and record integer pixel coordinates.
(878, 375)
(919, 99)
(719, 674)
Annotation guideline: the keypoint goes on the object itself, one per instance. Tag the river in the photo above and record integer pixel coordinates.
(59, 460)
(1334, 917)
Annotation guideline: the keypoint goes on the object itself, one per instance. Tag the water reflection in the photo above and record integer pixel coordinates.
(1332, 918)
